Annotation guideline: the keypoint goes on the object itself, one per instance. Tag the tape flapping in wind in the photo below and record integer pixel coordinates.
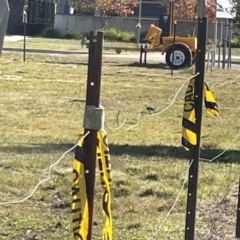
(189, 135)
(79, 196)
(79, 202)
(103, 158)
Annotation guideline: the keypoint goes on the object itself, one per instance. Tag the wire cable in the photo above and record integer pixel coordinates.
(174, 98)
(46, 179)
(120, 126)
(139, 111)
(138, 120)
(176, 200)
(220, 85)
(219, 155)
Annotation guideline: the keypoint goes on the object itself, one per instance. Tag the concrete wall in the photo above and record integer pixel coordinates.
(86, 24)
(184, 28)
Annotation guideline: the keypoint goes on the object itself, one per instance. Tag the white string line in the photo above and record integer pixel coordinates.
(234, 140)
(176, 200)
(211, 160)
(138, 120)
(139, 111)
(220, 85)
(119, 127)
(120, 112)
(48, 177)
(174, 98)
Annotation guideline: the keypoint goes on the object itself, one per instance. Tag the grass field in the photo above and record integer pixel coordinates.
(149, 165)
(73, 45)
(59, 44)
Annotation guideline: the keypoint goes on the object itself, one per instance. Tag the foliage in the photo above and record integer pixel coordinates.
(235, 43)
(211, 9)
(187, 10)
(236, 10)
(50, 32)
(119, 6)
(73, 34)
(117, 35)
(233, 6)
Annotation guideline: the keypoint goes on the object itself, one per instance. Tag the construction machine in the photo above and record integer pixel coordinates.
(180, 51)
(4, 13)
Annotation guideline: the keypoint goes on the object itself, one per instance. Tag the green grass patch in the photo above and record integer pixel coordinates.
(120, 36)
(149, 165)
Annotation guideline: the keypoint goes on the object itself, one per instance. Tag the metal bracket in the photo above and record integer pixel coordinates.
(94, 117)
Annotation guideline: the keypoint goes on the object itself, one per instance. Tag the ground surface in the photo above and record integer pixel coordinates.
(38, 124)
(64, 46)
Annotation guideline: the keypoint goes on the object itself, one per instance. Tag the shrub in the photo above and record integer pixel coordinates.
(73, 34)
(117, 35)
(112, 34)
(50, 32)
(235, 42)
(209, 41)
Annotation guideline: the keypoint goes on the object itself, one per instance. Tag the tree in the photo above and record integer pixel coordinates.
(211, 9)
(104, 7)
(235, 10)
(188, 10)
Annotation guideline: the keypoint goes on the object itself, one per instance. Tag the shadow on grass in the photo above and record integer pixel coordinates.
(65, 63)
(131, 150)
(173, 152)
(148, 65)
(116, 63)
(37, 148)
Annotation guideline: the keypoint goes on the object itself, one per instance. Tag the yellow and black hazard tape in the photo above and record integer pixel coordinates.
(103, 158)
(189, 136)
(79, 202)
(79, 196)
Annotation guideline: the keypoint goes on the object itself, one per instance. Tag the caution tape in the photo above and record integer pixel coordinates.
(189, 135)
(79, 195)
(103, 158)
(80, 210)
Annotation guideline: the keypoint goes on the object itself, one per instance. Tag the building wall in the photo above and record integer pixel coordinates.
(16, 16)
(85, 24)
(62, 7)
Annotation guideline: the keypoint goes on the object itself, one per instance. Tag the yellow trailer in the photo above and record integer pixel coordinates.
(184, 49)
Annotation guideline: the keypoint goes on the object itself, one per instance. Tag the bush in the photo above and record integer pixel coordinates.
(50, 32)
(117, 35)
(209, 41)
(73, 34)
(235, 42)
(112, 34)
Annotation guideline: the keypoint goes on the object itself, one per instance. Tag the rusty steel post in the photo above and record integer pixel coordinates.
(195, 151)
(93, 98)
